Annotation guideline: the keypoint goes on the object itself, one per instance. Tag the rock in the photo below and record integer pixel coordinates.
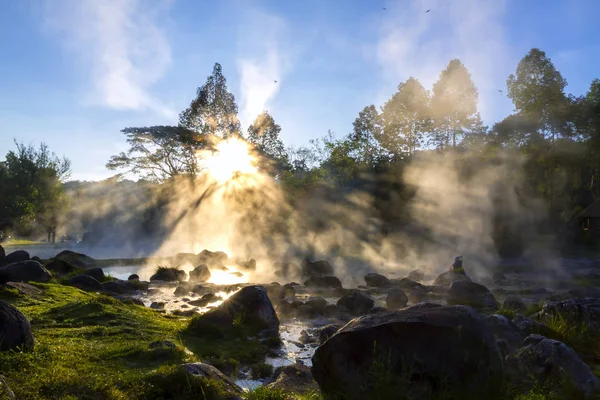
(17, 256)
(157, 305)
(251, 305)
(544, 362)
(376, 280)
(2, 256)
(200, 274)
(449, 277)
(330, 282)
(162, 344)
(204, 300)
(96, 273)
(15, 330)
(85, 282)
(407, 340)
(396, 298)
(531, 327)
(295, 378)
(118, 286)
(316, 269)
(506, 331)
(318, 304)
(416, 275)
(60, 267)
(575, 311)
(25, 271)
(77, 259)
(169, 275)
(209, 372)
(183, 289)
(328, 331)
(334, 311)
(154, 292)
(378, 309)
(249, 265)
(24, 288)
(133, 277)
(356, 302)
(514, 303)
(211, 259)
(472, 294)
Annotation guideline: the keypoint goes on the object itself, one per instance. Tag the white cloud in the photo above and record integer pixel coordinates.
(262, 63)
(121, 44)
(415, 43)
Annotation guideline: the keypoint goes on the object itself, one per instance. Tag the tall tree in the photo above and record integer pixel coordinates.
(213, 111)
(264, 135)
(364, 136)
(158, 153)
(537, 91)
(454, 105)
(406, 118)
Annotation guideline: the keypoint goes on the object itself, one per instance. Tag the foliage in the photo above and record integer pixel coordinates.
(507, 312)
(264, 134)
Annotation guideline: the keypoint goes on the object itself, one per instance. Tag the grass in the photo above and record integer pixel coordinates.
(91, 346)
(507, 312)
(261, 370)
(266, 393)
(575, 335)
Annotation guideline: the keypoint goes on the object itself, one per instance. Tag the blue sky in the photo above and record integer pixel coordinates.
(73, 73)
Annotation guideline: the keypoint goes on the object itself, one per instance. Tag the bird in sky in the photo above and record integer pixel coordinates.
(499, 90)
(275, 81)
(427, 11)
(385, 8)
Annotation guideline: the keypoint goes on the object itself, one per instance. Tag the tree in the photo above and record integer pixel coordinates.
(213, 111)
(537, 91)
(264, 135)
(158, 153)
(365, 136)
(453, 105)
(406, 118)
(31, 188)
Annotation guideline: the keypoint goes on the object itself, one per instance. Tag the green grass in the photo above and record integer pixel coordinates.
(507, 312)
(91, 346)
(265, 393)
(576, 336)
(261, 370)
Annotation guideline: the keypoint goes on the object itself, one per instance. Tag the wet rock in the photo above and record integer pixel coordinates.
(200, 274)
(96, 273)
(133, 277)
(575, 311)
(85, 282)
(318, 304)
(60, 267)
(530, 327)
(376, 280)
(15, 330)
(79, 260)
(547, 363)
(316, 269)
(204, 300)
(17, 256)
(118, 286)
(157, 305)
(356, 302)
(396, 298)
(416, 275)
(328, 331)
(472, 294)
(449, 277)
(514, 303)
(411, 339)
(295, 379)
(183, 289)
(210, 258)
(506, 331)
(251, 305)
(305, 338)
(25, 271)
(330, 282)
(169, 275)
(211, 373)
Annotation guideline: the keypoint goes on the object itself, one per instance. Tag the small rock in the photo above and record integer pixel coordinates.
(449, 277)
(396, 298)
(330, 282)
(514, 303)
(60, 267)
(166, 344)
(327, 331)
(133, 277)
(316, 303)
(316, 269)
(472, 294)
(356, 302)
(96, 273)
(212, 374)
(85, 282)
(200, 274)
(416, 275)
(376, 280)
(295, 378)
(157, 305)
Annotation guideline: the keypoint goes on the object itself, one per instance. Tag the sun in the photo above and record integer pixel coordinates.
(230, 159)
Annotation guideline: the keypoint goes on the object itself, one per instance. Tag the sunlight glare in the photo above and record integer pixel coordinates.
(230, 159)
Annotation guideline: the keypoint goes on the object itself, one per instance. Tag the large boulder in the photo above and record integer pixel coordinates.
(506, 331)
(449, 277)
(317, 268)
(25, 271)
(549, 363)
(575, 311)
(60, 267)
(356, 302)
(169, 275)
(396, 299)
(411, 340)
(472, 294)
(96, 273)
(200, 274)
(15, 331)
(376, 280)
(250, 306)
(85, 282)
(201, 370)
(295, 378)
(17, 256)
(77, 259)
(325, 282)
